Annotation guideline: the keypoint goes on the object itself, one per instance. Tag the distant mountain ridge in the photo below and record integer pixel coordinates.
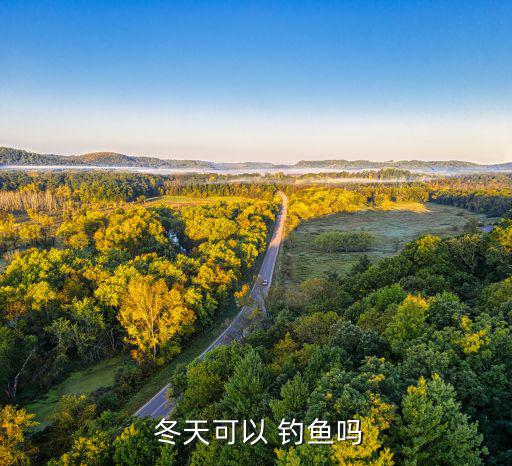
(403, 164)
(10, 156)
(19, 157)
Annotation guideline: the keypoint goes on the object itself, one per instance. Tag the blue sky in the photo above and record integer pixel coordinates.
(276, 81)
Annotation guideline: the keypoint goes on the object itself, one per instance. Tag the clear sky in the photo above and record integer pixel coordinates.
(274, 81)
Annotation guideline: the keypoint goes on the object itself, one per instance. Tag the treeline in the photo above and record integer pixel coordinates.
(94, 185)
(477, 182)
(493, 204)
(383, 174)
(49, 191)
(489, 194)
(494, 201)
(315, 202)
(24, 200)
(216, 187)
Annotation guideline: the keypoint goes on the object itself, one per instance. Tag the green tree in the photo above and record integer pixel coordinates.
(15, 356)
(445, 309)
(202, 383)
(294, 400)
(408, 323)
(134, 231)
(153, 316)
(7, 353)
(370, 451)
(168, 455)
(246, 390)
(8, 233)
(31, 233)
(90, 451)
(433, 430)
(137, 445)
(314, 328)
(73, 411)
(305, 454)
(355, 342)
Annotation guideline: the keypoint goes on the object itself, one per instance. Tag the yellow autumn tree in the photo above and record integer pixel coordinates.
(14, 447)
(152, 316)
(7, 229)
(370, 450)
(43, 221)
(242, 296)
(474, 338)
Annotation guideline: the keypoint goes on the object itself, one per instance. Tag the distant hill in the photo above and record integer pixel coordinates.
(105, 158)
(113, 159)
(503, 166)
(247, 165)
(402, 164)
(10, 156)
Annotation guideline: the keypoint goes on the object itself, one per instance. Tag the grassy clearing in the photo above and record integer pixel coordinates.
(393, 227)
(100, 375)
(181, 201)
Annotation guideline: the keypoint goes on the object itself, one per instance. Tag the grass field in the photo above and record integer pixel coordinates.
(100, 375)
(393, 228)
(181, 201)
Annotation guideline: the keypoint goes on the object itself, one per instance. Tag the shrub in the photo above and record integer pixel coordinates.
(338, 241)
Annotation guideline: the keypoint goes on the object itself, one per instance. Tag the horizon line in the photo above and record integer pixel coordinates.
(326, 159)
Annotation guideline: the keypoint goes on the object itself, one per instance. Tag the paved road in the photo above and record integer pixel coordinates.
(159, 406)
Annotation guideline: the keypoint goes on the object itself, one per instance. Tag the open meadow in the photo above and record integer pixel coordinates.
(392, 228)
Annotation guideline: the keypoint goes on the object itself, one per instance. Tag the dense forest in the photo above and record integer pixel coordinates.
(489, 194)
(80, 302)
(137, 279)
(417, 347)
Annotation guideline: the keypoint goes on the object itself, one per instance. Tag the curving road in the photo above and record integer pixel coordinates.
(159, 406)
